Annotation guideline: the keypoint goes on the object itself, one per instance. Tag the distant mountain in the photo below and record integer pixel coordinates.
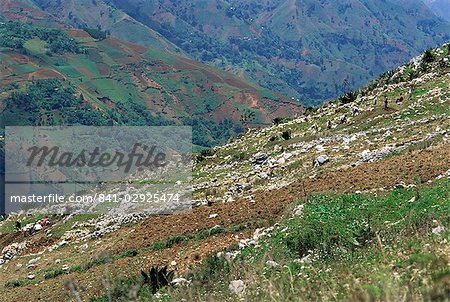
(305, 49)
(85, 13)
(49, 77)
(440, 7)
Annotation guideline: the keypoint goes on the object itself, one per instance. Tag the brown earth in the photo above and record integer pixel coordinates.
(76, 33)
(270, 205)
(46, 74)
(19, 58)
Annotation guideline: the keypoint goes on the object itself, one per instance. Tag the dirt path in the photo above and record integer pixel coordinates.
(270, 205)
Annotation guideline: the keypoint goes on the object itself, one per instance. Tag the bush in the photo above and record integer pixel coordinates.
(129, 253)
(14, 35)
(428, 56)
(212, 268)
(349, 97)
(50, 274)
(286, 135)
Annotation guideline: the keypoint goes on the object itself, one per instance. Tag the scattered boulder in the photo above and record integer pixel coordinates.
(237, 287)
(272, 264)
(259, 158)
(438, 230)
(298, 210)
(321, 160)
(180, 282)
(34, 261)
(84, 247)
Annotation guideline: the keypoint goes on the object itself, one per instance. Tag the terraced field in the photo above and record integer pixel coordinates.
(127, 76)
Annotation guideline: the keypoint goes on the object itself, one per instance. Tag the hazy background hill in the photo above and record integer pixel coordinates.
(49, 77)
(306, 49)
(440, 7)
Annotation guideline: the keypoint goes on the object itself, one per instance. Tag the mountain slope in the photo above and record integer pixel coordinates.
(85, 13)
(308, 50)
(125, 84)
(440, 7)
(371, 221)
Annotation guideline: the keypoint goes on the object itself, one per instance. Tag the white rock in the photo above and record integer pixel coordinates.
(213, 215)
(298, 210)
(31, 277)
(180, 281)
(84, 247)
(281, 161)
(272, 264)
(322, 159)
(438, 230)
(34, 261)
(237, 286)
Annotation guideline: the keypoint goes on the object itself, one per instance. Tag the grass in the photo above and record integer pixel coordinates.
(59, 229)
(36, 46)
(9, 226)
(200, 235)
(357, 247)
(19, 283)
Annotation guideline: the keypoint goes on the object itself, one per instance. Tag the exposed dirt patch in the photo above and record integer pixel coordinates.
(7, 239)
(38, 242)
(104, 69)
(424, 165)
(78, 33)
(46, 74)
(19, 58)
(226, 110)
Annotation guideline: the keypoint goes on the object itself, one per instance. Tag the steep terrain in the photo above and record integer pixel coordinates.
(304, 49)
(85, 13)
(106, 81)
(440, 7)
(271, 203)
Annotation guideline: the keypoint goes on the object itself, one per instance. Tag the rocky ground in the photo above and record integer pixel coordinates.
(246, 186)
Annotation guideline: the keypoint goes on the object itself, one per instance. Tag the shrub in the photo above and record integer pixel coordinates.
(349, 97)
(213, 267)
(129, 253)
(428, 56)
(286, 135)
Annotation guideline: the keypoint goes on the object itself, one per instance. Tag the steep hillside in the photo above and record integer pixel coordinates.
(125, 84)
(349, 201)
(305, 49)
(86, 13)
(440, 7)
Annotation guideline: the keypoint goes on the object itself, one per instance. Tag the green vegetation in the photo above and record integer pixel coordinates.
(43, 99)
(111, 83)
(19, 283)
(59, 228)
(339, 248)
(304, 50)
(53, 102)
(9, 226)
(97, 33)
